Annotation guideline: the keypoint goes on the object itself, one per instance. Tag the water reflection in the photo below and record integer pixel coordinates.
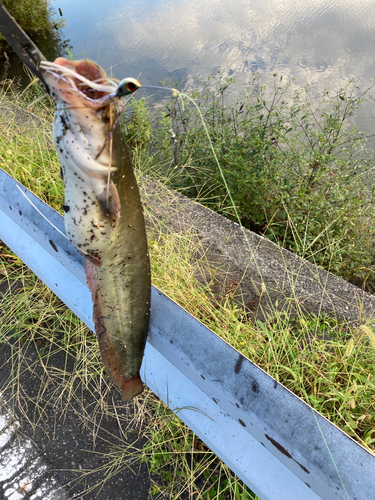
(320, 42)
(303, 38)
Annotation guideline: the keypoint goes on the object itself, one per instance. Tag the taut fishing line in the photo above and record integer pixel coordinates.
(182, 95)
(177, 94)
(330, 454)
(44, 217)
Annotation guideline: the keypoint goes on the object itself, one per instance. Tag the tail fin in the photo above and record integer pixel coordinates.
(132, 386)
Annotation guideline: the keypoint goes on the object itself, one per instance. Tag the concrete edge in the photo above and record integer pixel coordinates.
(265, 276)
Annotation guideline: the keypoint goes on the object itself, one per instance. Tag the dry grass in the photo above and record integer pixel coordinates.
(328, 364)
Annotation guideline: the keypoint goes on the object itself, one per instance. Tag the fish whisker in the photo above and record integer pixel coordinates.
(97, 103)
(110, 158)
(100, 102)
(110, 134)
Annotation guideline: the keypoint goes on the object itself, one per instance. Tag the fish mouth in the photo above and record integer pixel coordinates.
(87, 80)
(93, 72)
(84, 78)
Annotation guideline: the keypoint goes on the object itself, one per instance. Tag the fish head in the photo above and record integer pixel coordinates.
(86, 99)
(78, 84)
(86, 108)
(83, 83)
(85, 116)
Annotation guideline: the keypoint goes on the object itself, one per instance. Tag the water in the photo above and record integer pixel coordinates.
(320, 42)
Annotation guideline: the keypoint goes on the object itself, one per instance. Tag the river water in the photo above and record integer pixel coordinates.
(320, 42)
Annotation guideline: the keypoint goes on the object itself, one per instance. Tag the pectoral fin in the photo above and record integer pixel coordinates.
(110, 205)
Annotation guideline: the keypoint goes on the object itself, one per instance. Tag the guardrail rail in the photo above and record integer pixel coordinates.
(277, 444)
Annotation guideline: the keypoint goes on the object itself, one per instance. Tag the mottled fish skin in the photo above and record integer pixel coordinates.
(108, 228)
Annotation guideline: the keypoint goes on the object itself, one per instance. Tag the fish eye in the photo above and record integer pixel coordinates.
(127, 86)
(131, 86)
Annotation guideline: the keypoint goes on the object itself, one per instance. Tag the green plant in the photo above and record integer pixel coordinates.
(187, 467)
(328, 364)
(30, 157)
(297, 173)
(34, 16)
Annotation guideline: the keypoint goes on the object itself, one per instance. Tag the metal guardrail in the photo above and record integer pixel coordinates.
(278, 445)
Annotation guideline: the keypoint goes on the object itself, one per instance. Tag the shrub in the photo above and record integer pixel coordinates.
(32, 15)
(298, 174)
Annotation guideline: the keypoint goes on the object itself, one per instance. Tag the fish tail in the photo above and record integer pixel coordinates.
(131, 388)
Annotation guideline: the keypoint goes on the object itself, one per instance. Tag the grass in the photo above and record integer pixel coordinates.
(34, 16)
(328, 364)
(297, 171)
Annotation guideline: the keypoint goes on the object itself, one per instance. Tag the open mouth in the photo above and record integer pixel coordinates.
(92, 72)
(85, 75)
(86, 79)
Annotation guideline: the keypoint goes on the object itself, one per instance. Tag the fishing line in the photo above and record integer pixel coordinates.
(177, 94)
(110, 156)
(101, 102)
(112, 128)
(44, 217)
(330, 454)
(39, 212)
(46, 65)
(60, 73)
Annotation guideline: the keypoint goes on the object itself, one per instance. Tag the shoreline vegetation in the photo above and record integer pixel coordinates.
(39, 20)
(34, 17)
(300, 175)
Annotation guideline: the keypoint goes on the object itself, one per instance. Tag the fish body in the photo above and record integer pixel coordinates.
(104, 217)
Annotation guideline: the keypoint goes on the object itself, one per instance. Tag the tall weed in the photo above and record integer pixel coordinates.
(298, 173)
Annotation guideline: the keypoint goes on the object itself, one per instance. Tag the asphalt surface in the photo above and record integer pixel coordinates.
(23, 473)
(49, 445)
